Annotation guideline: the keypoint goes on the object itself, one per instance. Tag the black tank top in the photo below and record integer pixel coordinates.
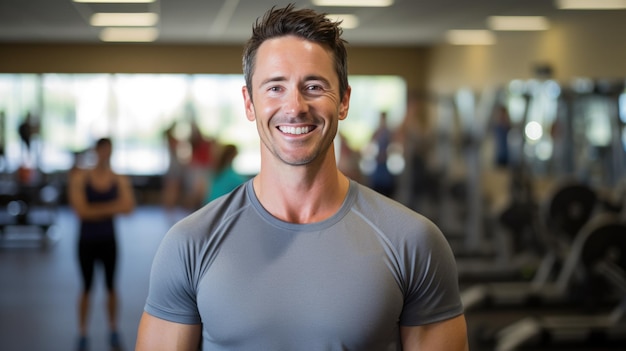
(101, 229)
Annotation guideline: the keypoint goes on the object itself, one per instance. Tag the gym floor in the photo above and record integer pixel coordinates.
(40, 287)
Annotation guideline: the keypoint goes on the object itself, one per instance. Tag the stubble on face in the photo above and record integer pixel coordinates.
(292, 66)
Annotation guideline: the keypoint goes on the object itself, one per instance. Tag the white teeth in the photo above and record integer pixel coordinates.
(294, 130)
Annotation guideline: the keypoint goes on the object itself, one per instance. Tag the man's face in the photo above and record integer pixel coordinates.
(296, 105)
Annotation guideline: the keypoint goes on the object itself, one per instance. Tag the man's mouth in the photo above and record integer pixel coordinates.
(295, 130)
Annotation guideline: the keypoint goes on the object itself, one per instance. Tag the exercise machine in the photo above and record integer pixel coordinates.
(599, 255)
(27, 214)
(568, 210)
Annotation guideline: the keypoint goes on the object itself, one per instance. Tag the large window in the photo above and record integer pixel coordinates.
(70, 111)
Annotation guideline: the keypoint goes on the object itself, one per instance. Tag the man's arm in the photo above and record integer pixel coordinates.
(156, 334)
(448, 335)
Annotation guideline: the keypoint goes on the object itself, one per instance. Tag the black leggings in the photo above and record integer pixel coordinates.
(90, 251)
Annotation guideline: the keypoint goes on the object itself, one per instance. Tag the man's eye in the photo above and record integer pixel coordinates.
(274, 89)
(314, 88)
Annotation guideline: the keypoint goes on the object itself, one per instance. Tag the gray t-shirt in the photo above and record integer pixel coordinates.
(346, 283)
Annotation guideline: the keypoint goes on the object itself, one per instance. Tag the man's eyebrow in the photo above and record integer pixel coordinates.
(273, 79)
(316, 77)
(308, 78)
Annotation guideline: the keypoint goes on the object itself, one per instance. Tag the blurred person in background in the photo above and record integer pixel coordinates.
(200, 169)
(417, 185)
(225, 178)
(173, 177)
(97, 195)
(348, 159)
(381, 179)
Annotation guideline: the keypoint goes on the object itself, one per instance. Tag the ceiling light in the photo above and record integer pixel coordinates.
(129, 34)
(591, 4)
(518, 23)
(145, 19)
(470, 37)
(115, 1)
(354, 3)
(347, 21)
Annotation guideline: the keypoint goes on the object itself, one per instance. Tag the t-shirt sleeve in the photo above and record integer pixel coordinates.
(171, 294)
(432, 290)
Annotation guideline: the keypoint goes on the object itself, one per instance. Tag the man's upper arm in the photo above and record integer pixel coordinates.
(156, 334)
(449, 335)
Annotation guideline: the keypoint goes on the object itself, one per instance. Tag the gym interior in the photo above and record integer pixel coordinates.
(516, 150)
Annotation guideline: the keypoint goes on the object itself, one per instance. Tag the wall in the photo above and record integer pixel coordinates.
(593, 50)
(407, 62)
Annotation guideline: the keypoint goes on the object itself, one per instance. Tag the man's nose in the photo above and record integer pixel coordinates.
(295, 103)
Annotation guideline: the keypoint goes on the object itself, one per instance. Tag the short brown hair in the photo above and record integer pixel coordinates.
(304, 23)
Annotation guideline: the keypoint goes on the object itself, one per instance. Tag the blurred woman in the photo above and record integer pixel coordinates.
(97, 195)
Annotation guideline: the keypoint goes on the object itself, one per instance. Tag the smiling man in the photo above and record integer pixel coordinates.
(301, 257)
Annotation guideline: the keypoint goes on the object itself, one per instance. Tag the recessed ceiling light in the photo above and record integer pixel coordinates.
(354, 3)
(129, 34)
(115, 1)
(470, 37)
(521, 23)
(591, 4)
(145, 19)
(347, 21)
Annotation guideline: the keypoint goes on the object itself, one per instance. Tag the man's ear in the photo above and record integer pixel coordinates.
(249, 106)
(345, 104)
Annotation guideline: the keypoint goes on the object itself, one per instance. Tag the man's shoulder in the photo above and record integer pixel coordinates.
(214, 214)
(392, 217)
(382, 204)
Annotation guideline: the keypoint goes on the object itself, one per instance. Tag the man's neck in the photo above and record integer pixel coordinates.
(300, 194)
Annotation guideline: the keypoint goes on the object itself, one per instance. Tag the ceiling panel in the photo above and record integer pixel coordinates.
(407, 22)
